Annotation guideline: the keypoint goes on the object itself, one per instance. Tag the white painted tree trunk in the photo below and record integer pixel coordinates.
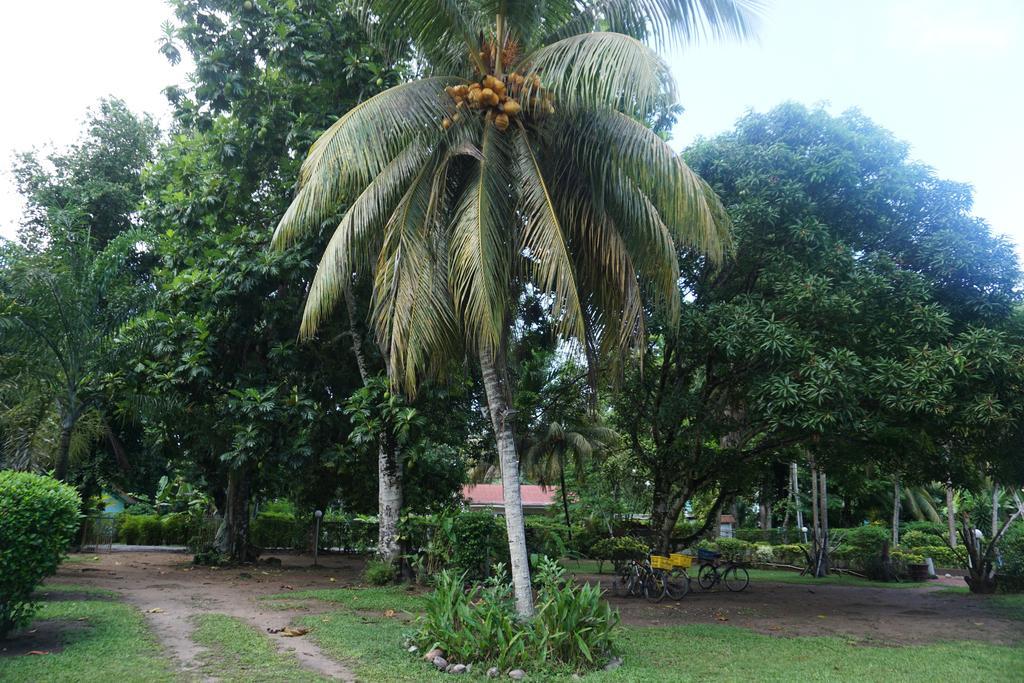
(389, 464)
(995, 509)
(509, 459)
(896, 512)
(950, 516)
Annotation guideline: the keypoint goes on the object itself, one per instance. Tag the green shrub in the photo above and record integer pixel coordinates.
(177, 528)
(1011, 550)
(548, 537)
(790, 553)
(477, 542)
(937, 529)
(734, 549)
(619, 550)
(943, 555)
(762, 554)
(277, 530)
(152, 530)
(919, 539)
(573, 627)
(867, 537)
(377, 573)
(38, 519)
(140, 529)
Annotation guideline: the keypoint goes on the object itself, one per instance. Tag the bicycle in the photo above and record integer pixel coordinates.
(636, 579)
(670, 574)
(732, 574)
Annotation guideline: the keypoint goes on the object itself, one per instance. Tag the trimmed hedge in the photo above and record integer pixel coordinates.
(38, 519)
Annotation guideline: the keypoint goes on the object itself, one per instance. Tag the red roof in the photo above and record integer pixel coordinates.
(491, 494)
(728, 519)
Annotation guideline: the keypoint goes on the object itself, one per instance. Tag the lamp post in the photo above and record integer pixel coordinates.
(316, 540)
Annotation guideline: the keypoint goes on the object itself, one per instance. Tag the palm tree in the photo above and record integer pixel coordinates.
(520, 158)
(547, 455)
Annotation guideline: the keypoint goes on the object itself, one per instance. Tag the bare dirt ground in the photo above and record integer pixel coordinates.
(171, 592)
(168, 583)
(874, 616)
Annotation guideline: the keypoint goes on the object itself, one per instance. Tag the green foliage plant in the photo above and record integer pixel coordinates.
(618, 550)
(573, 628)
(38, 519)
(378, 573)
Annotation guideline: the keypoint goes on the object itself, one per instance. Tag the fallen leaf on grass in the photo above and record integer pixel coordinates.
(721, 617)
(294, 632)
(389, 613)
(155, 610)
(287, 587)
(39, 652)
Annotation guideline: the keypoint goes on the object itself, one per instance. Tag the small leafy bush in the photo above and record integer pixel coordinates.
(734, 549)
(277, 530)
(790, 553)
(1011, 548)
(140, 529)
(572, 629)
(918, 539)
(943, 555)
(547, 537)
(378, 573)
(867, 537)
(38, 519)
(152, 530)
(619, 550)
(177, 528)
(937, 529)
(762, 554)
(478, 541)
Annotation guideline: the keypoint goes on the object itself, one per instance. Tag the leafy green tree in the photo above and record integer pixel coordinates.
(519, 157)
(94, 185)
(852, 322)
(268, 78)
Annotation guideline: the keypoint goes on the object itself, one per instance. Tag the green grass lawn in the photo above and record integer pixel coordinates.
(371, 643)
(106, 640)
(237, 652)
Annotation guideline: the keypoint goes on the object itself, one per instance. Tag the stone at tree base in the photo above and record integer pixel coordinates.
(458, 669)
(517, 674)
(436, 652)
(493, 672)
(441, 663)
(614, 664)
(413, 649)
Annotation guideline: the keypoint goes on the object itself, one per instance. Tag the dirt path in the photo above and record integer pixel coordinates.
(171, 593)
(873, 616)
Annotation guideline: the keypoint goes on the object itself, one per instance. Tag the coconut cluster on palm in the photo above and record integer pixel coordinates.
(546, 176)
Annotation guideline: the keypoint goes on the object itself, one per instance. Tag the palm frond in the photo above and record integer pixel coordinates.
(545, 241)
(481, 248)
(412, 307)
(604, 70)
(359, 146)
(442, 31)
(356, 240)
(607, 140)
(666, 23)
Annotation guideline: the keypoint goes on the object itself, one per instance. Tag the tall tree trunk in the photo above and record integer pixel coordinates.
(389, 463)
(509, 459)
(823, 561)
(565, 497)
(896, 511)
(233, 536)
(67, 424)
(793, 473)
(662, 493)
(950, 516)
(995, 509)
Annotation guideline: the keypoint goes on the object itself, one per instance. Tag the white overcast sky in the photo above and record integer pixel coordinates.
(945, 75)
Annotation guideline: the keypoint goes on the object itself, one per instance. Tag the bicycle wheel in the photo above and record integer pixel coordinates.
(654, 586)
(736, 578)
(707, 577)
(677, 585)
(619, 586)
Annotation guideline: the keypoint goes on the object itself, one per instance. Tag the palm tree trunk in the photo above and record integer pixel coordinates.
(64, 448)
(389, 464)
(995, 509)
(950, 516)
(565, 498)
(896, 511)
(509, 460)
